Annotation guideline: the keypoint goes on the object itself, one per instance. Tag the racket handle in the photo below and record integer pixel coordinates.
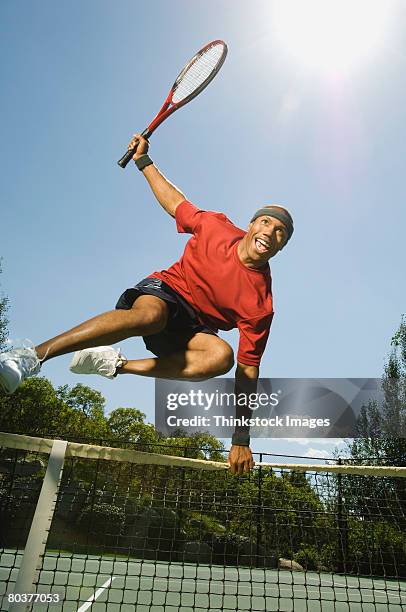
(127, 157)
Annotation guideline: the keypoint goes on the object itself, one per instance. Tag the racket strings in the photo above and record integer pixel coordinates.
(198, 73)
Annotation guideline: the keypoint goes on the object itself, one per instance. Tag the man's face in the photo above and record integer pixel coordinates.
(265, 237)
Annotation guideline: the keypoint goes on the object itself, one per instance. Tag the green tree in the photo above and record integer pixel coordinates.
(378, 445)
(36, 408)
(382, 429)
(374, 508)
(127, 424)
(89, 406)
(200, 445)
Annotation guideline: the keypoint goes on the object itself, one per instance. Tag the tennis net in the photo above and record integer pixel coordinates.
(87, 527)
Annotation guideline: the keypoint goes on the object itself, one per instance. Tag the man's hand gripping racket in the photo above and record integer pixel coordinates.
(194, 77)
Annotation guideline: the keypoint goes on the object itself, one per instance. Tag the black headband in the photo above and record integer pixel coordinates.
(279, 214)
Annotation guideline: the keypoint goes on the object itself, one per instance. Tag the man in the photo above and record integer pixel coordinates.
(222, 281)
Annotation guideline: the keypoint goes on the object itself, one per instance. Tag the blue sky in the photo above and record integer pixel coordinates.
(79, 78)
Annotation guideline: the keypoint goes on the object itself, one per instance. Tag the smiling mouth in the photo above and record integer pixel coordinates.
(261, 246)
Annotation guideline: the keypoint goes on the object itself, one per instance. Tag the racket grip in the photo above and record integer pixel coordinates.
(127, 157)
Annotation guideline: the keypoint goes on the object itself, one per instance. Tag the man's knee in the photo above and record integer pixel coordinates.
(223, 359)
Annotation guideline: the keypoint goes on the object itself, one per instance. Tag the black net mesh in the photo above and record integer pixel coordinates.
(167, 538)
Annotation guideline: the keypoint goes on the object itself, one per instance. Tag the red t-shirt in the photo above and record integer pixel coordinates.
(211, 278)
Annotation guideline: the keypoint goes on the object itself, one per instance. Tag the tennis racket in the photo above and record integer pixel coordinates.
(194, 77)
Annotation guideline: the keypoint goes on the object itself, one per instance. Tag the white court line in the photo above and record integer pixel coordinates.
(93, 598)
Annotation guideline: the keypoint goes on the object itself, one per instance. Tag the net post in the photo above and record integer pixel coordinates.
(40, 526)
(180, 514)
(342, 526)
(259, 516)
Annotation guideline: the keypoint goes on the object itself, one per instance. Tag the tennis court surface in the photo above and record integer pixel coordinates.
(99, 528)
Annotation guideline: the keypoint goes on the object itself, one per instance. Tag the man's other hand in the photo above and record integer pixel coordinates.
(240, 459)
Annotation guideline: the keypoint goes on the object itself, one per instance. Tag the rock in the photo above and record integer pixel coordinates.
(196, 552)
(287, 564)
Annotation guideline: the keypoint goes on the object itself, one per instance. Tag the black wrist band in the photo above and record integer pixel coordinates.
(143, 161)
(240, 438)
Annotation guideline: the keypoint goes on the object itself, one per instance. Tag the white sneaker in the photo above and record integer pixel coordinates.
(103, 360)
(17, 365)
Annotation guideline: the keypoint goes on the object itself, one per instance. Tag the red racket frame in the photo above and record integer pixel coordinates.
(168, 108)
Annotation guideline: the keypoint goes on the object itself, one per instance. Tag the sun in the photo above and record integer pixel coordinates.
(331, 35)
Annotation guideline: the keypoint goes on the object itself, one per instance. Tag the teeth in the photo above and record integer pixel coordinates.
(263, 243)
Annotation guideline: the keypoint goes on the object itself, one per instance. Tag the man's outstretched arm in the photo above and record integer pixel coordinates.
(240, 457)
(167, 194)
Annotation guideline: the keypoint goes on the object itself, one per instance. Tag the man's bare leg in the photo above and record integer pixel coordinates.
(205, 356)
(148, 315)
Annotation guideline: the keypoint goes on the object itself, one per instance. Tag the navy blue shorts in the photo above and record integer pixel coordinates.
(183, 322)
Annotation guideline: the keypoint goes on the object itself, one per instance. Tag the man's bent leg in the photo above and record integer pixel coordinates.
(148, 315)
(204, 356)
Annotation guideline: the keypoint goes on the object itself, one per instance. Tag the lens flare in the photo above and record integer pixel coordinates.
(331, 35)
